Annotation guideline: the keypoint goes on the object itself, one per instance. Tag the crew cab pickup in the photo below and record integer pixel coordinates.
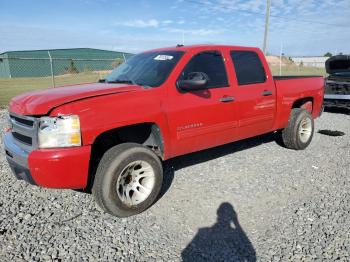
(337, 92)
(112, 136)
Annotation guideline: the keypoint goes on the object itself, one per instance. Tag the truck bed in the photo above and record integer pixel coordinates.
(293, 88)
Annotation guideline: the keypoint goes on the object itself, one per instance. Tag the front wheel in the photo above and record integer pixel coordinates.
(299, 132)
(128, 180)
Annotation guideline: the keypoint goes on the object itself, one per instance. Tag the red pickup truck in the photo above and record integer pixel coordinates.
(158, 105)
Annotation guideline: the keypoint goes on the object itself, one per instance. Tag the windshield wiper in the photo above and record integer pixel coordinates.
(125, 81)
(121, 81)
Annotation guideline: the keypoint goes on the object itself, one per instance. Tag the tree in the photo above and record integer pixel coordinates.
(328, 54)
(72, 69)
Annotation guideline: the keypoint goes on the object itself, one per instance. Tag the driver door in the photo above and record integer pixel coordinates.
(204, 118)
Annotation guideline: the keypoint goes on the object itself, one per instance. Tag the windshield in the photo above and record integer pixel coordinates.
(146, 69)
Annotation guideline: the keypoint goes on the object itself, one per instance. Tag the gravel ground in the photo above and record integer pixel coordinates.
(240, 202)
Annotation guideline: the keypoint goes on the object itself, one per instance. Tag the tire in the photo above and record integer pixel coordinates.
(127, 170)
(299, 132)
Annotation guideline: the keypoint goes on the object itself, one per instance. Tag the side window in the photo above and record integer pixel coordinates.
(212, 64)
(248, 67)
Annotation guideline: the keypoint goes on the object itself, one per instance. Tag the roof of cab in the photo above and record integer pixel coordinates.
(203, 47)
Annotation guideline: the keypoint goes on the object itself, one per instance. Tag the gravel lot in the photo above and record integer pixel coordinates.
(240, 202)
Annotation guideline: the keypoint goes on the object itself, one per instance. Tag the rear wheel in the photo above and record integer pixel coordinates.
(128, 180)
(299, 132)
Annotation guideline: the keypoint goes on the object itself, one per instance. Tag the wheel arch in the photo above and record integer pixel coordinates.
(148, 134)
(304, 103)
(286, 106)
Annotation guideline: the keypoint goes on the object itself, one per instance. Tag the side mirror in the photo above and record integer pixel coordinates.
(195, 81)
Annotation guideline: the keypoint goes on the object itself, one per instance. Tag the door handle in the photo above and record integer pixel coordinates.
(266, 93)
(226, 99)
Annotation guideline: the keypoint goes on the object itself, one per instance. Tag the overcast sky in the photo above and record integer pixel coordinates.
(302, 27)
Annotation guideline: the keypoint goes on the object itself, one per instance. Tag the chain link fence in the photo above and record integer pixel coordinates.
(295, 70)
(289, 66)
(59, 71)
(23, 74)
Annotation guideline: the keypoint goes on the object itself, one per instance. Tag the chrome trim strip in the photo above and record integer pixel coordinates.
(332, 82)
(21, 129)
(340, 97)
(30, 118)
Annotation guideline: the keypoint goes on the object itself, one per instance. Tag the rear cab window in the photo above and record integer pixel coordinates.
(248, 66)
(212, 64)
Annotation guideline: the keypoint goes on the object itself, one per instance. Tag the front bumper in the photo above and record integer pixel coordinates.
(52, 168)
(17, 159)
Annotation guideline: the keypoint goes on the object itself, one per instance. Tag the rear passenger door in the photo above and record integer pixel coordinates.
(255, 94)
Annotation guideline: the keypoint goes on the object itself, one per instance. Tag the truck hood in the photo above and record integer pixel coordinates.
(338, 64)
(42, 101)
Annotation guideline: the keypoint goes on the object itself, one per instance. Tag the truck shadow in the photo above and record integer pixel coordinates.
(172, 165)
(178, 163)
(327, 132)
(224, 241)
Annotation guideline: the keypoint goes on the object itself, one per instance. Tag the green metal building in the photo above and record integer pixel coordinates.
(37, 63)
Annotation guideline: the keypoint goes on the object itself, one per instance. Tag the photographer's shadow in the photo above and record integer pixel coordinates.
(224, 241)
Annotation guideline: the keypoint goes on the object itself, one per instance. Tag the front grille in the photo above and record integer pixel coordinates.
(25, 122)
(337, 88)
(24, 131)
(24, 139)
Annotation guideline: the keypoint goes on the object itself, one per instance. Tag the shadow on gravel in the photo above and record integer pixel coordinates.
(224, 241)
(172, 165)
(336, 110)
(327, 132)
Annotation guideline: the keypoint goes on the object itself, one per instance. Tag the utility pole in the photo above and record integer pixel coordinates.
(267, 21)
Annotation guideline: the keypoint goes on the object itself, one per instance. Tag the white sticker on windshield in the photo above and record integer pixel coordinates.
(163, 57)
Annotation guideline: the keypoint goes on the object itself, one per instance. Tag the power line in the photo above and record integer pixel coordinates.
(309, 21)
(271, 15)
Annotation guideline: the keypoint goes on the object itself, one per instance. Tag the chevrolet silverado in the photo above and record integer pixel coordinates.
(113, 135)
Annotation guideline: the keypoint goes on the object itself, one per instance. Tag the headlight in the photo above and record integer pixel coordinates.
(61, 131)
